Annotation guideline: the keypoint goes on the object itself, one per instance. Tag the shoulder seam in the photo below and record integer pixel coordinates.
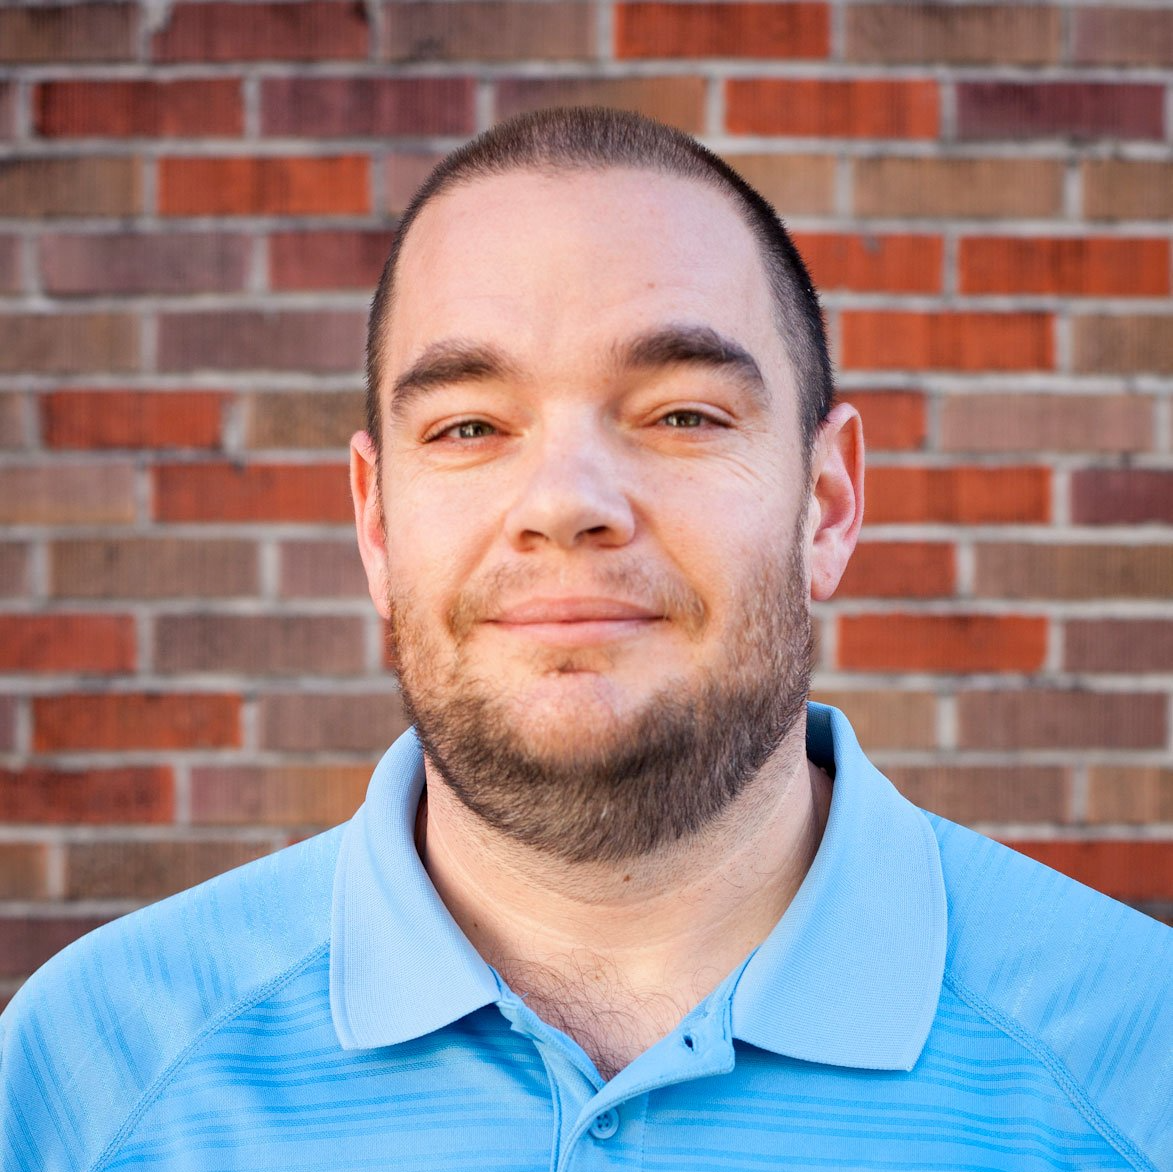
(155, 1089)
(1058, 1071)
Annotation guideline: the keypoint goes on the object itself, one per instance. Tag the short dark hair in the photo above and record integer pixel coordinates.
(561, 140)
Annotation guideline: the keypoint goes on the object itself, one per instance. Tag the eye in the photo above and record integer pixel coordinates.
(685, 419)
(466, 429)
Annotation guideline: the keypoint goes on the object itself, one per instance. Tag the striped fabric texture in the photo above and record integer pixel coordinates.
(930, 1000)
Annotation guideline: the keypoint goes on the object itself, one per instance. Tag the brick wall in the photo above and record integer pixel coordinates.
(195, 200)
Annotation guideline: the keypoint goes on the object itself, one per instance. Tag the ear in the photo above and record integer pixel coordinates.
(836, 500)
(368, 516)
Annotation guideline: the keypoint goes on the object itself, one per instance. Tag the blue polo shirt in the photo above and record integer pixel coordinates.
(930, 1000)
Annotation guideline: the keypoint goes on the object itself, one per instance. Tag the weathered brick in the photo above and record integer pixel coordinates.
(1033, 423)
(1043, 718)
(70, 187)
(1118, 645)
(68, 343)
(487, 31)
(145, 567)
(1128, 870)
(1122, 36)
(1121, 496)
(941, 642)
(1126, 189)
(1109, 266)
(1011, 109)
(9, 264)
(730, 29)
(44, 795)
(67, 643)
(832, 109)
(259, 645)
(136, 720)
(14, 569)
(987, 793)
(26, 942)
(873, 263)
(899, 569)
(146, 109)
(904, 340)
(978, 188)
(13, 433)
(958, 34)
(141, 870)
(322, 107)
(959, 495)
(1134, 794)
(303, 419)
(134, 262)
(74, 32)
(1124, 343)
(321, 569)
(1025, 570)
(890, 719)
(67, 494)
(262, 32)
(280, 795)
(679, 101)
(795, 184)
(131, 419)
(342, 259)
(319, 722)
(319, 342)
(269, 186)
(24, 870)
(259, 492)
(893, 421)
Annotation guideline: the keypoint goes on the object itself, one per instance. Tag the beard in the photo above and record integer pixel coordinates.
(644, 781)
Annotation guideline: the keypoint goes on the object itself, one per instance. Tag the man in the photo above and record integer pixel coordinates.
(619, 899)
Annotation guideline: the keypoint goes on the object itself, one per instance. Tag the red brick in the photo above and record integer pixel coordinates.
(281, 795)
(1124, 869)
(7, 722)
(1134, 794)
(136, 720)
(487, 31)
(1127, 189)
(262, 32)
(893, 421)
(404, 173)
(133, 262)
(795, 184)
(44, 187)
(92, 796)
(678, 101)
(1127, 645)
(1108, 496)
(321, 569)
(13, 432)
(722, 30)
(258, 492)
(1047, 718)
(68, 343)
(1006, 109)
(901, 340)
(937, 642)
(145, 567)
(14, 569)
(987, 793)
(26, 942)
(343, 259)
(237, 186)
(142, 109)
(1090, 266)
(888, 719)
(23, 870)
(323, 107)
(322, 722)
(303, 419)
(7, 110)
(1033, 423)
(9, 264)
(67, 643)
(67, 494)
(1022, 570)
(1125, 343)
(961, 495)
(256, 645)
(317, 342)
(899, 569)
(74, 32)
(869, 263)
(832, 109)
(1123, 36)
(131, 419)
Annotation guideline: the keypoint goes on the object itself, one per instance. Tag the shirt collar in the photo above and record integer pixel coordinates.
(850, 976)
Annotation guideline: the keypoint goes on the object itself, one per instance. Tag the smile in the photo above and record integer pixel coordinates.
(575, 622)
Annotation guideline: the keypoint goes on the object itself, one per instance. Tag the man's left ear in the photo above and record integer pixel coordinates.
(836, 499)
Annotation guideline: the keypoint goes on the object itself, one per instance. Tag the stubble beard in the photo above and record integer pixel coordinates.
(645, 781)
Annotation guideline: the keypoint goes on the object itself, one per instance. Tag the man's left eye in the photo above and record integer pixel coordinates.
(684, 419)
(469, 429)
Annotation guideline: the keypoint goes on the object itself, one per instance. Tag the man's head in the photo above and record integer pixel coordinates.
(597, 519)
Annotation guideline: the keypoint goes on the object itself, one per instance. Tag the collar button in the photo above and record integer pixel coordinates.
(605, 1125)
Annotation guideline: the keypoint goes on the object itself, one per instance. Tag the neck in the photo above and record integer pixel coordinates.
(616, 954)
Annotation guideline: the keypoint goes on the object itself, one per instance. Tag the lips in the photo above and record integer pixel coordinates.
(575, 622)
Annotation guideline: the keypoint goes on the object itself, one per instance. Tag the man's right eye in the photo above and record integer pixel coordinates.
(466, 429)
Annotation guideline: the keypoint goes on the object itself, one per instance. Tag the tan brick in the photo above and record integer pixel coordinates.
(303, 419)
(14, 569)
(979, 188)
(70, 187)
(1119, 645)
(67, 494)
(1049, 718)
(1123, 36)
(10, 264)
(12, 427)
(1059, 423)
(488, 31)
(23, 870)
(26, 942)
(796, 185)
(1000, 34)
(74, 32)
(1124, 343)
(325, 722)
(1024, 570)
(142, 567)
(404, 174)
(679, 101)
(1119, 189)
(987, 793)
(888, 719)
(280, 795)
(321, 569)
(68, 343)
(1135, 794)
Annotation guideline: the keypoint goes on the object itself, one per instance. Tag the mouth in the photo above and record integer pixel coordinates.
(576, 622)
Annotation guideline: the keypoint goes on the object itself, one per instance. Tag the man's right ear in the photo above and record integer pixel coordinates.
(368, 516)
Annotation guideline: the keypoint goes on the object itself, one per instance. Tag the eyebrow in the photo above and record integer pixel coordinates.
(447, 362)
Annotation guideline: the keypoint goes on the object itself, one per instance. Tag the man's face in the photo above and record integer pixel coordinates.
(596, 506)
